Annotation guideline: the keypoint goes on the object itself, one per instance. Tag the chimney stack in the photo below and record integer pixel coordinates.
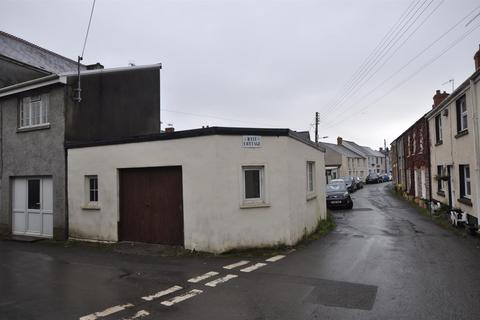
(339, 141)
(169, 129)
(476, 57)
(438, 98)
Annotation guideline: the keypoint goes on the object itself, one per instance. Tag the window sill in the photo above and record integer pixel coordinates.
(91, 207)
(466, 201)
(311, 196)
(439, 143)
(27, 129)
(441, 193)
(461, 133)
(254, 205)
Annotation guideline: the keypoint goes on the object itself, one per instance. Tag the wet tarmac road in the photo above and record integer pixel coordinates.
(383, 261)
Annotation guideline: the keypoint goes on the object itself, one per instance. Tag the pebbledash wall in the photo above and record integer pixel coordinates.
(214, 219)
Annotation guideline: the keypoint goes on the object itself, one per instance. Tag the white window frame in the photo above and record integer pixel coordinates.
(254, 201)
(467, 184)
(438, 128)
(311, 178)
(27, 109)
(89, 203)
(463, 116)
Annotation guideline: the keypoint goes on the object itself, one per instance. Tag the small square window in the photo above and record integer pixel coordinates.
(253, 184)
(33, 111)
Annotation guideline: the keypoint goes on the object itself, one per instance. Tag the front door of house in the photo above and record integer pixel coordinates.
(32, 206)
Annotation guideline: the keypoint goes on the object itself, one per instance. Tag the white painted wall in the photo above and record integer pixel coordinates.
(213, 218)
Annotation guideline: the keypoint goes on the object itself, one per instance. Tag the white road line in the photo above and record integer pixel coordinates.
(106, 312)
(235, 265)
(253, 267)
(275, 258)
(183, 297)
(139, 314)
(221, 280)
(162, 293)
(203, 277)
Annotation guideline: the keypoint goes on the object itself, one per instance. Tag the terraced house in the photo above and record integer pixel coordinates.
(455, 147)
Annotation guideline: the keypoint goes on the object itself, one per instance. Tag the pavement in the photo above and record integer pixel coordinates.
(383, 261)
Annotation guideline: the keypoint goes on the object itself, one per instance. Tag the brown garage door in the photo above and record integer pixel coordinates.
(151, 205)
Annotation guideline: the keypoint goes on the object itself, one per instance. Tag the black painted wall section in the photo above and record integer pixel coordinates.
(114, 105)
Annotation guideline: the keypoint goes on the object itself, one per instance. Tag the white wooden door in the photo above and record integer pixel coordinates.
(32, 205)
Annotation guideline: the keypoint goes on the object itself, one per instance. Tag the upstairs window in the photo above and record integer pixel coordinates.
(33, 111)
(462, 121)
(438, 129)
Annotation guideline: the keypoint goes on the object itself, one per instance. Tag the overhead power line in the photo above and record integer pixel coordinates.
(340, 109)
(399, 84)
(374, 66)
(218, 117)
(374, 52)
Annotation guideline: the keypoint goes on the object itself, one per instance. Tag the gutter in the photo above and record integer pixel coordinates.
(32, 84)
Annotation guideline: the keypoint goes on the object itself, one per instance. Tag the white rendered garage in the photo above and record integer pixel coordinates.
(236, 188)
(32, 206)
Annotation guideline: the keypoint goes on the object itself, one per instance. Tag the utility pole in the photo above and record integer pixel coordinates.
(317, 122)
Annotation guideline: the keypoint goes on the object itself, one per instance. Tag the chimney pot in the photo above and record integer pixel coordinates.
(169, 129)
(339, 141)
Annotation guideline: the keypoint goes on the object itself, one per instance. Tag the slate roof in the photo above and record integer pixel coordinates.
(341, 149)
(28, 53)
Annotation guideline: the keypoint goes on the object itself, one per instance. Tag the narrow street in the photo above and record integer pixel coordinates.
(383, 261)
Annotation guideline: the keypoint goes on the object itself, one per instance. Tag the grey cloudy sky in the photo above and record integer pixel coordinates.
(271, 63)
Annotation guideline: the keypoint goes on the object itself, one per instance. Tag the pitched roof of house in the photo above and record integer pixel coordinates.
(355, 148)
(30, 54)
(340, 149)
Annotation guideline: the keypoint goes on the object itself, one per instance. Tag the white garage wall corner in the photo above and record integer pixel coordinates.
(212, 181)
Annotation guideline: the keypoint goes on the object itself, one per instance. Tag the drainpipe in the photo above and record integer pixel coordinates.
(476, 126)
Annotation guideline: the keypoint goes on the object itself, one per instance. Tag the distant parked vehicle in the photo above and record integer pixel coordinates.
(385, 177)
(372, 178)
(359, 182)
(340, 181)
(351, 183)
(338, 196)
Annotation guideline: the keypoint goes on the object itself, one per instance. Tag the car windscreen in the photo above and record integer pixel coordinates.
(347, 179)
(336, 187)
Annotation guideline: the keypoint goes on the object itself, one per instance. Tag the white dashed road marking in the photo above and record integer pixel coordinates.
(220, 280)
(162, 293)
(203, 277)
(253, 267)
(106, 312)
(138, 315)
(235, 265)
(275, 258)
(183, 297)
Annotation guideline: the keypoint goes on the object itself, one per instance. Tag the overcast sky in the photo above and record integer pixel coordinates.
(272, 63)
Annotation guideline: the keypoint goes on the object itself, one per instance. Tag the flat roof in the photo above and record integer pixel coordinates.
(209, 131)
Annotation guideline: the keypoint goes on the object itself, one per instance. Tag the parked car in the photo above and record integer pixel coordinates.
(372, 178)
(338, 196)
(385, 177)
(359, 182)
(351, 183)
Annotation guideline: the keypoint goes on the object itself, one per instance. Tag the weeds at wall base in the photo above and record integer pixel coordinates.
(440, 217)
